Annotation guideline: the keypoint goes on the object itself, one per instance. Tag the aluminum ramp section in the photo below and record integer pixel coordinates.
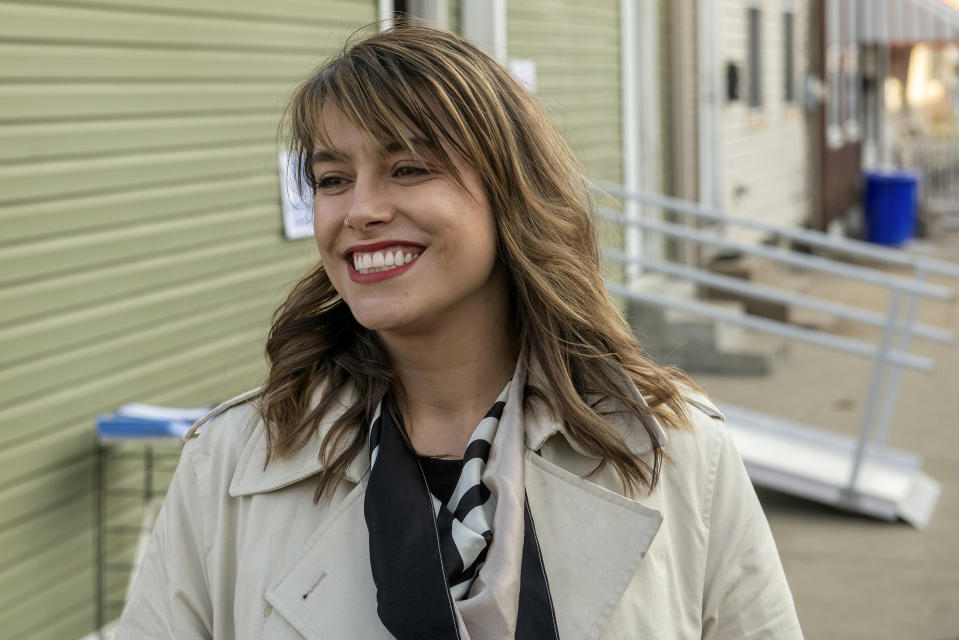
(816, 464)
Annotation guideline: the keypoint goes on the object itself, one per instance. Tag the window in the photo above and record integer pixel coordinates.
(789, 61)
(755, 62)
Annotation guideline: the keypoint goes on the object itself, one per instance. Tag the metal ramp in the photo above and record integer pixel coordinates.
(817, 464)
(857, 473)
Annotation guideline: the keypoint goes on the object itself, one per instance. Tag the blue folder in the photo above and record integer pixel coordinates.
(146, 421)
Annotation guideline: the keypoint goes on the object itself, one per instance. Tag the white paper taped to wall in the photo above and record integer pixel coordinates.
(296, 199)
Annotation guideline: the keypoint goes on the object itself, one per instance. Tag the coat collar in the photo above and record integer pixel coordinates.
(253, 476)
(591, 539)
(592, 542)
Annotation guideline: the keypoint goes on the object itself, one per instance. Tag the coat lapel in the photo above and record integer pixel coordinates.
(591, 540)
(329, 592)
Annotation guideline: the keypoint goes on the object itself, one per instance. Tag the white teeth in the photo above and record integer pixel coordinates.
(380, 261)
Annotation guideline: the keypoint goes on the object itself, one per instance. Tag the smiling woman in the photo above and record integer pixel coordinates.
(374, 199)
(459, 436)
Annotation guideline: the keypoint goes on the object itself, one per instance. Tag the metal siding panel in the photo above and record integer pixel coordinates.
(69, 555)
(55, 592)
(71, 624)
(24, 182)
(39, 493)
(141, 247)
(41, 142)
(54, 334)
(576, 49)
(43, 376)
(55, 62)
(35, 610)
(33, 220)
(46, 24)
(70, 101)
(31, 261)
(319, 12)
(102, 283)
(38, 416)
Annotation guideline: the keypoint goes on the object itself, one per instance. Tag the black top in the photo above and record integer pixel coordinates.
(441, 475)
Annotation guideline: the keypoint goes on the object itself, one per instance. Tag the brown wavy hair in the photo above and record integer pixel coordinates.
(457, 97)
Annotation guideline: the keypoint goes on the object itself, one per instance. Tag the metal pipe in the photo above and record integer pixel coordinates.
(789, 257)
(847, 345)
(765, 292)
(812, 238)
(884, 355)
(895, 376)
(385, 9)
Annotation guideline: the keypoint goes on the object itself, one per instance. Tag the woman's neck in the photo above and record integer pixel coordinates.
(449, 382)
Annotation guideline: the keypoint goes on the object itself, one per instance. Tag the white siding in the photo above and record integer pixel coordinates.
(764, 155)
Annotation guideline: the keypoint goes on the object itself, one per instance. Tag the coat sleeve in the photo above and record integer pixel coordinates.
(170, 598)
(746, 595)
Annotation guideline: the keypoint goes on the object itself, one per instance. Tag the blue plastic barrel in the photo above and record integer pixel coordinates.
(890, 202)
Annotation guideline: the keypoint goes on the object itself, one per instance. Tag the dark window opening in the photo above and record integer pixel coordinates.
(789, 61)
(401, 13)
(755, 62)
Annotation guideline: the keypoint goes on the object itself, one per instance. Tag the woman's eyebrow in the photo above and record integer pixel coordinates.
(326, 155)
(416, 142)
(397, 146)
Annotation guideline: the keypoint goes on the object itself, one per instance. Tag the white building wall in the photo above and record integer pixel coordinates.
(764, 155)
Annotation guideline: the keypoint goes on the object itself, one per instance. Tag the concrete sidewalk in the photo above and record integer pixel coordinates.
(854, 577)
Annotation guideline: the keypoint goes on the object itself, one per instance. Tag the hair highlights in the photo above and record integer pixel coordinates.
(457, 98)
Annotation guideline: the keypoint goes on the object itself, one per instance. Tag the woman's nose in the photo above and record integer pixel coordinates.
(370, 206)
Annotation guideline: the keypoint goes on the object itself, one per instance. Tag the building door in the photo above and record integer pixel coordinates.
(838, 123)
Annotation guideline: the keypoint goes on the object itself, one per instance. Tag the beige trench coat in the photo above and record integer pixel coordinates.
(241, 551)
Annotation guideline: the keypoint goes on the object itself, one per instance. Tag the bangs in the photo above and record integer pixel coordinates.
(391, 99)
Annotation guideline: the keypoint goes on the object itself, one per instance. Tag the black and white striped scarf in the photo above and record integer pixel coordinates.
(425, 555)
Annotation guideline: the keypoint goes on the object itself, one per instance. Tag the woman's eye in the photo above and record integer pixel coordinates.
(329, 182)
(410, 171)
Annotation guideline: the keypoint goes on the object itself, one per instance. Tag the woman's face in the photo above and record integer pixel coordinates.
(408, 249)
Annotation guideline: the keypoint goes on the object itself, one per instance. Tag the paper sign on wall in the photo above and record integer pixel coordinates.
(297, 202)
(524, 72)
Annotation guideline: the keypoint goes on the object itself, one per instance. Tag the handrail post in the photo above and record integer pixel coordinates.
(904, 338)
(882, 356)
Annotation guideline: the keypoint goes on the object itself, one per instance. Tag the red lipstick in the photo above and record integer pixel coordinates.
(386, 274)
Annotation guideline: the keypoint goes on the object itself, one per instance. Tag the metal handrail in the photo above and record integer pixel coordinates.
(774, 294)
(812, 336)
(812, 238)
(890, 354)
(910, 285)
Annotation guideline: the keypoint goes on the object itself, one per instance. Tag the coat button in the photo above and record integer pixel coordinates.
(267, 610)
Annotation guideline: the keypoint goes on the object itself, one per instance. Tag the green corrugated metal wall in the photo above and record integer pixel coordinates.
(141, 246)
(576, 48)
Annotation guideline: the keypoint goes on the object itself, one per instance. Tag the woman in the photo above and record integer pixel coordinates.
(458, 436)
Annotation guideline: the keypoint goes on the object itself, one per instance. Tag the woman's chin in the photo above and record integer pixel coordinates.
(381, 322)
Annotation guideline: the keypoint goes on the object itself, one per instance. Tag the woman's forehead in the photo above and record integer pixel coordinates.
(390, 133)
(335, 131)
